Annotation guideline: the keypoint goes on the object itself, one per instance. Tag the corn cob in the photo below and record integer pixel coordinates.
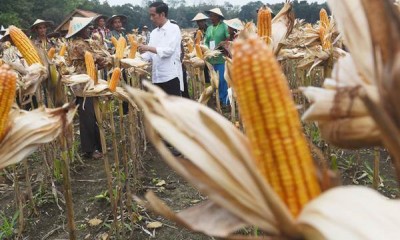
(199, 36)
(51, 53)
(119, 51)
(264, 24)
(114, 42)
(112, 85)
(134, 46)
(8, 81)
(63, 50)
(24, 45)
(272, 123)
(199, 52)
(324, 19)
(90, 67)
(131, 38)
(190, 47)
(325, 41)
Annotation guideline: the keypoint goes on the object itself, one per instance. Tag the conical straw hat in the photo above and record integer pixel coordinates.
(77, 24)
(40, 21)
(216, 11)
(199, 16)
(234, 23)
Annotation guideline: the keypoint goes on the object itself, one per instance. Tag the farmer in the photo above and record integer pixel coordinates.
(116, 23)
(200, 20)
(234, 27)
(163, 48)
(100, 28)
(215, 34)
(89, 131)
(39, 29)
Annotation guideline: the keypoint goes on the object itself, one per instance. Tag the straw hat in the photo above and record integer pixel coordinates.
(234, 23)
(2, 29)
(216, 11)
(77, 24)
(199, 17)
(40, 21)
(111, 19)
(98, 17)
(6, 34)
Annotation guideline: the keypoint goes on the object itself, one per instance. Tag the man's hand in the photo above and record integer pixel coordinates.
(146, 48)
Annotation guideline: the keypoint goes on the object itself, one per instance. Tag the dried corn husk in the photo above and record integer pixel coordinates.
(218, 162)
(36, 73)
(30, 129)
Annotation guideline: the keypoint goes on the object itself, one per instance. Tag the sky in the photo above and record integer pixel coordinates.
(234, 2)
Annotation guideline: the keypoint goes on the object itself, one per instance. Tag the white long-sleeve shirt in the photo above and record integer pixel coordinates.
(167, 41)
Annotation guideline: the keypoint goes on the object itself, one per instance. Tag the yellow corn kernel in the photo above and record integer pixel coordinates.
(272, 123)
(325, 40)
(199, 52)
(63, 50)
(51, 53)
(134, 45)
(324, 19)
(121, 45)
(190, 47)
(112, 85)
(114, 42)
(264, 24)
(131, 38)
(199, 36)
(24, 45)
(8, 82)
(90, 67)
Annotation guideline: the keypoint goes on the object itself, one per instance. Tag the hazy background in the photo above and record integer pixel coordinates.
(217, 2)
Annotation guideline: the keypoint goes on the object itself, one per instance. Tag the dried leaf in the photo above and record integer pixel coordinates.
(160, 183)
(94, 222)
(28, 130)
(154, 225)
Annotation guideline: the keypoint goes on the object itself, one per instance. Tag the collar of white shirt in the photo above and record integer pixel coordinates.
(165, 26)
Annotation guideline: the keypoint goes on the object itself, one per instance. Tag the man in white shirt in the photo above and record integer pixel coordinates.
(163, 48)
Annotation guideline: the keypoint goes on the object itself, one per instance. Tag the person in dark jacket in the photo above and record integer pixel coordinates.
(89, 130)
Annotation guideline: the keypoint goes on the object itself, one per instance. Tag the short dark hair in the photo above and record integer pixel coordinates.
(161, 7)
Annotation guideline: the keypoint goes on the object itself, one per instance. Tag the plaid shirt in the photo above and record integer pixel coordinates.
(104, 33)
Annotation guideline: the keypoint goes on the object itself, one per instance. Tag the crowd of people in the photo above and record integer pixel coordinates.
(162, 47)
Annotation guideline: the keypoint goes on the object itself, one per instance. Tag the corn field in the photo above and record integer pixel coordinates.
(310, 134)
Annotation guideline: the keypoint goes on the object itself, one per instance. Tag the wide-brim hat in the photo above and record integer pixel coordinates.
(235, 23)
(111, 19)
(77, 24)
(99, 17)
(40, 21)
(216, 11)
(199, 17)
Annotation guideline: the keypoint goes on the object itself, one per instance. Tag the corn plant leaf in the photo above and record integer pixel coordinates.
(352, 23)
(27, 130)
(282, 26)
(219, 160)
(206, 217)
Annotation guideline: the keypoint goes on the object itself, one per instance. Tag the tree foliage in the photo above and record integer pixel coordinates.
(24, 12)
